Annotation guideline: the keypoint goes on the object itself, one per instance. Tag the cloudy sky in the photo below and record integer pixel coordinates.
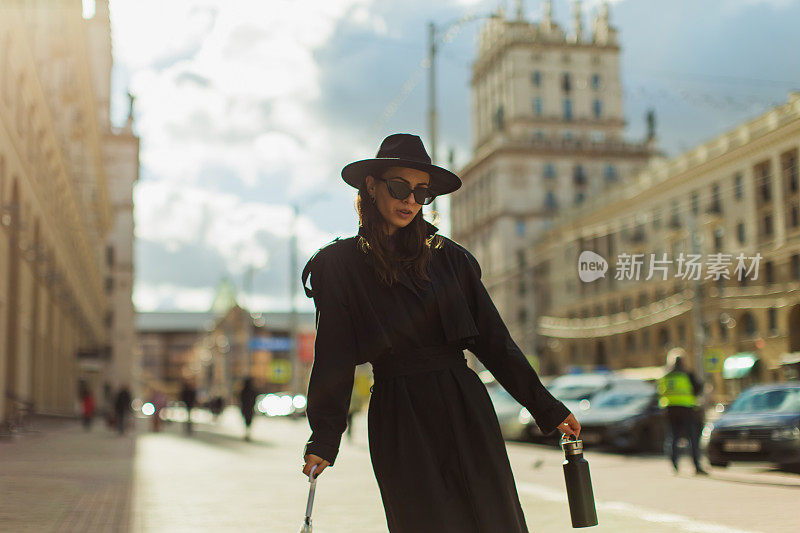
(246, 107)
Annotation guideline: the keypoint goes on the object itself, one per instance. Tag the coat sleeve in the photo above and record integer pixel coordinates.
(332, 374)
(498, 352)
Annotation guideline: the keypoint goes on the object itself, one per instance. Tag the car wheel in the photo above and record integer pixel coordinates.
(720, 464)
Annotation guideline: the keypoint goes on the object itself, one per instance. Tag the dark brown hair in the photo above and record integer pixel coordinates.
(412, 245)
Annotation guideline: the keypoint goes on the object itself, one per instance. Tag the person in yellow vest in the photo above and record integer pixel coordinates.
(678, 390)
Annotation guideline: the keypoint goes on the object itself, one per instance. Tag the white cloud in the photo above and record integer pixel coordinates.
(228, 85)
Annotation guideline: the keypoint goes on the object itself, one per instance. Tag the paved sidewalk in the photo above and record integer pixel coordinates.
(59, 477)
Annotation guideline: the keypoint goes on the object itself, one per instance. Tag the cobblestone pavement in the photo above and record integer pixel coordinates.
(65, 479)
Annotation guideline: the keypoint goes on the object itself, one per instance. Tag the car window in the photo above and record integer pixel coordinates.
(779, 400)
(574, 392)
(621, 399)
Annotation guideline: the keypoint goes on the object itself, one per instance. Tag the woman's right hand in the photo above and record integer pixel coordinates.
(312, 460)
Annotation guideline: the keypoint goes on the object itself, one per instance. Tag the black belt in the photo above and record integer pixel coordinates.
(416, 361)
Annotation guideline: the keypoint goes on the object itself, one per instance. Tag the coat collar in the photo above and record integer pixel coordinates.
(430, 230)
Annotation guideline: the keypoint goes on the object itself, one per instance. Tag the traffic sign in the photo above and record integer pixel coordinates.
(713, 359)
(280, 371)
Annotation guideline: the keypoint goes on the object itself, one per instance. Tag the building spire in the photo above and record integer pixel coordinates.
(576, 11)
(547, 14)
(519, 10)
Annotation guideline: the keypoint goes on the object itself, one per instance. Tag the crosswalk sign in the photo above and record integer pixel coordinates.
(713, 359)
(280, 371)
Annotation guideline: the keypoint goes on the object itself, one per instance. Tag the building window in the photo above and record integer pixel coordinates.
(109, 284)
(520, 228)
(718, 239)
(749, 325)
(630, 343)
(521, 288)
(109, 255)
(642, 299)
(790, 170)
(794, 216)
(549, 170)
(738, 187)
(795, 266)
(695, 203)
(536, 78)
(763, 181)
(596, 81)
(499, 119)
(772, 316)
(579, 197)
(610, 173)
(663, 337)
(768, 225)
(567, 109)
(550, 200)
(716, 204)
(645, 339)
(566, 83)
(741, 236)
(597, 108)
(537, 106)
(656, 218)
(578, 175)
(682, 333)
(769, 272)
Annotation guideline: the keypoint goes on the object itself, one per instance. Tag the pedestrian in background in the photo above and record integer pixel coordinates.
(159, 401)
(122, 406)
(189, 398)
(87, 406)
(678, 392)
(409, 301)
(247, 404)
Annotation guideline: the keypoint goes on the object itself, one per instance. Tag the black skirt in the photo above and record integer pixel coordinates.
(436, 448)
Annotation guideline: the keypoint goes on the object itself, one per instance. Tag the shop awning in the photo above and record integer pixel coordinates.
(738, 365)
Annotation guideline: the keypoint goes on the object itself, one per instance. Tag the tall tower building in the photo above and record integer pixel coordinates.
(547, 123)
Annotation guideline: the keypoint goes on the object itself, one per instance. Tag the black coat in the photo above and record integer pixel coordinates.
(350, 331)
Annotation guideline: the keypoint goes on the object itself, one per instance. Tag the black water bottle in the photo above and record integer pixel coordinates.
(579, 485)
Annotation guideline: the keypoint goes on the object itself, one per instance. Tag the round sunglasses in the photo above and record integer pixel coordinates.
(399, 190)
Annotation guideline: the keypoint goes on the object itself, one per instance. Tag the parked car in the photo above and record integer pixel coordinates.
(624, 416)
(572, 389)
(762, 425)
(513, 417)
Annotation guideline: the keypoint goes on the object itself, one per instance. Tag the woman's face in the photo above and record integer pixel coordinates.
(397, 213)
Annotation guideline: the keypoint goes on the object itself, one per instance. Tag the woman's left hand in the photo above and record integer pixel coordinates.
(570, 426)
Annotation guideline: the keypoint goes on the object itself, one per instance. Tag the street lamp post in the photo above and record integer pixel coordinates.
(449, 31)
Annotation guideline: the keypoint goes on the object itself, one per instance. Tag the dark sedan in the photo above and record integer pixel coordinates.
(625, 416)
(762, 424)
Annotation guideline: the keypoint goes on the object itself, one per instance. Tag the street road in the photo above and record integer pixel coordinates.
(213, 481)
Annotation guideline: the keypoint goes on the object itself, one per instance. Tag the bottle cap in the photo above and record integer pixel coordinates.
(571, 447)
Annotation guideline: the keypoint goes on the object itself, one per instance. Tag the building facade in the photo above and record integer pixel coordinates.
(59, 190)
(548, 127)
(737, 194)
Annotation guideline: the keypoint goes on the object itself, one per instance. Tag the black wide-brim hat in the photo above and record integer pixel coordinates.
(402, 150)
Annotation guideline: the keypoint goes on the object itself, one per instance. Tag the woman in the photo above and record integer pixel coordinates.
(409, 301)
